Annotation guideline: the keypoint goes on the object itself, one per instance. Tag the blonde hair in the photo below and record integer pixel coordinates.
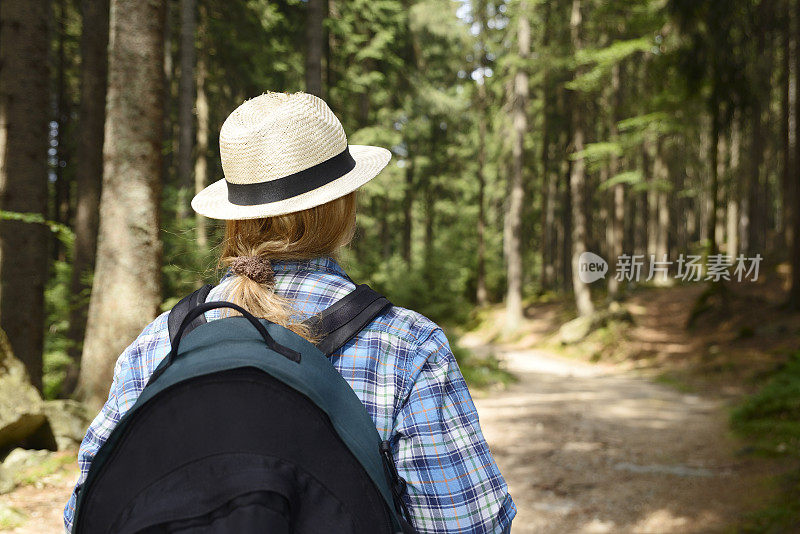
(303, 235)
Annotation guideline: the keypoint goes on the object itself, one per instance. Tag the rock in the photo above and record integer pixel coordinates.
(576, 330)
(68, 420)
(22, 417)
(579, 329)
(6, 481)
(20, 462)
(21, 459)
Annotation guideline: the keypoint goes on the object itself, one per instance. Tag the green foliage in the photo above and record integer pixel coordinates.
(601, 60)
(782, 515)
(771, 420)
(597, 153)
(186, 265)
(57, 343)
(480, 372)
(62, 231)
(771, 417)
(627, 177)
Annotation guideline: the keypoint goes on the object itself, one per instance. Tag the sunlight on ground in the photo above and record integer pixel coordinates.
(597, 451)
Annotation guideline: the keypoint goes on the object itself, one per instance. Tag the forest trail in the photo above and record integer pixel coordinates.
(590, 448)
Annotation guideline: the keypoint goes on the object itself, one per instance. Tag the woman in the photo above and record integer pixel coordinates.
(289, 200)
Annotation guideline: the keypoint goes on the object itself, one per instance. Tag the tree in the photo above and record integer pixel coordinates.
(481, 293)
(513, 223)
(24, 115)
(315, 40)
(201, 163)
(186, 104)
(794, 294)
(577, 180)
(618, 189)
(126, 289)
(88, 172)
(61, 207)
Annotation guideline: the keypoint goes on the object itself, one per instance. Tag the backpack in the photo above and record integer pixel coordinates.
(247, 427)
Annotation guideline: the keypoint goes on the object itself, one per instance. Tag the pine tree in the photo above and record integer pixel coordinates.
(24, 115)
(519, 105)
(126, 290)
(88, 172)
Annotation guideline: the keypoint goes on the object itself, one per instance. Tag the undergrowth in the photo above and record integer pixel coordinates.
(770, 419)
(481, 372)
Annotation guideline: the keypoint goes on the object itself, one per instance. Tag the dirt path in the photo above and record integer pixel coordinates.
(588, 448)
(38, 508)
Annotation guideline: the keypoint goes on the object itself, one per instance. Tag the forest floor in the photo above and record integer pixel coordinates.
(38, 507)
(626, 432)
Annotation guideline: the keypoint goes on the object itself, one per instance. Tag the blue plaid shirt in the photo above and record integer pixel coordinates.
(401, 368)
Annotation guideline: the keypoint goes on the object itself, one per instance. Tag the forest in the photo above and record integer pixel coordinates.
(652, 136)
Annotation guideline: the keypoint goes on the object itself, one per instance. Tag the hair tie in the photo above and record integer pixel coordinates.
(256, 268)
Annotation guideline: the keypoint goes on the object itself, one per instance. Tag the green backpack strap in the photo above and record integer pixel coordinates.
(335, 326)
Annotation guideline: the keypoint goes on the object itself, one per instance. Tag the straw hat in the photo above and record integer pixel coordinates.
(283, 153)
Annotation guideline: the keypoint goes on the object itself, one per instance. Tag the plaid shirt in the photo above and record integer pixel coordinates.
(401, 368)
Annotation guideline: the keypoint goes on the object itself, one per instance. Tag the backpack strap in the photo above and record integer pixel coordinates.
(179, 312)
(335, 326)
(347, 317)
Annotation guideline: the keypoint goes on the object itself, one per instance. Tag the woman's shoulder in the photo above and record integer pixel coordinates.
(418, 336)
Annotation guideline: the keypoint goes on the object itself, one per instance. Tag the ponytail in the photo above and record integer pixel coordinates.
(251, 245)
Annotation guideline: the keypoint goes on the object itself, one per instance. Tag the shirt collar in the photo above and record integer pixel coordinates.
(322, 263)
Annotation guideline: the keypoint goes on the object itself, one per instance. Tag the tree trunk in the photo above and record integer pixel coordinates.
(617, 190)
(565, 227)
(170, 126)
(408, 210)
(481, 294)
(732, 242)
(755, 192)
(758, 186)
(126, 290)
(681, 206)
(516, 190)
(315, 40)
(713, 200)
(788, 117)
(548, 181)
(88, 173)
(186, 105)
(24, 116)
(661, 174)
(577, 181)
(61, 206)
(549, 230)
(201, 159)
(722, 160)
(794, 293)
(429, 192)
(648, 168)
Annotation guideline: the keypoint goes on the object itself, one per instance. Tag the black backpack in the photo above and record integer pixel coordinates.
(247, 427)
